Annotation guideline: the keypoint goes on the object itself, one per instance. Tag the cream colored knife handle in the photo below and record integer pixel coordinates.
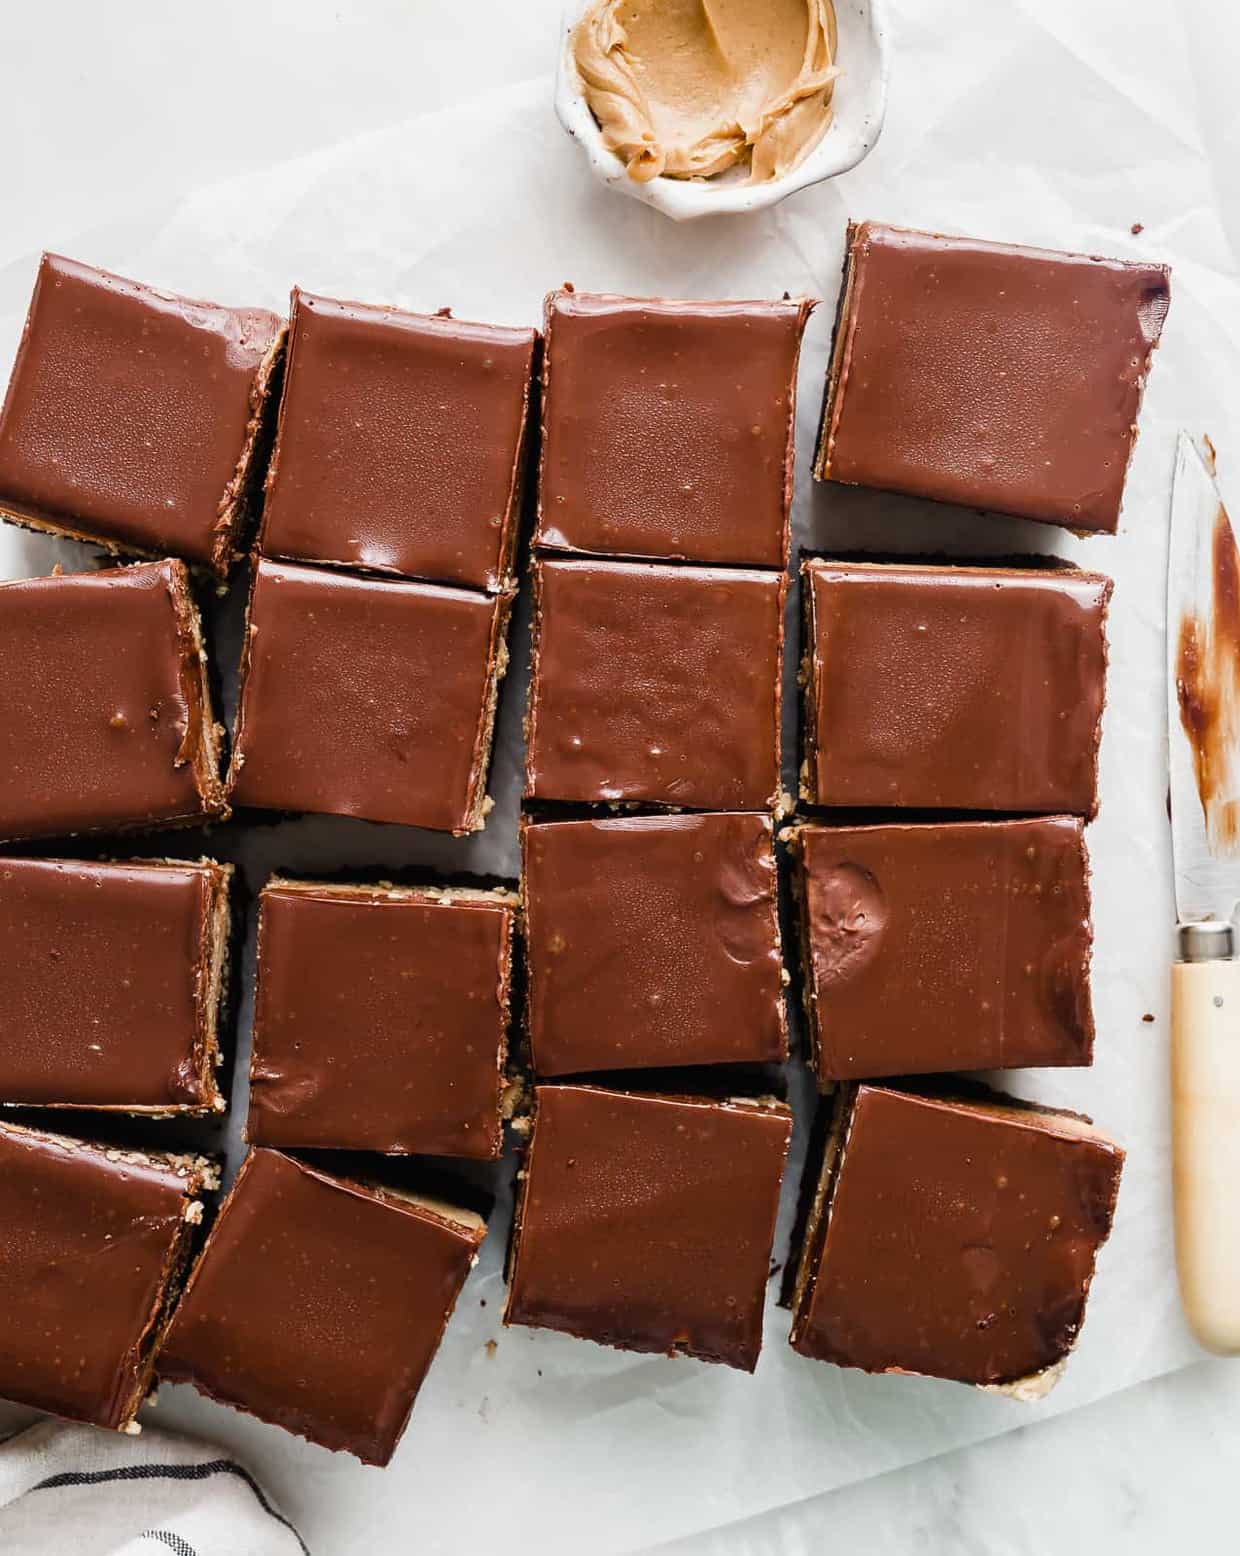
(1205, 1101)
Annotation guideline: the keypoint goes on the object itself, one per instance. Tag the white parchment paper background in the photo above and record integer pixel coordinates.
(1062, 123)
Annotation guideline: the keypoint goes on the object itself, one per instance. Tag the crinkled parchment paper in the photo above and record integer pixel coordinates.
(1024, 121)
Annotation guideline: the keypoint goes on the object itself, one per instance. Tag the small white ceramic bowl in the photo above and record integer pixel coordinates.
(859, 103)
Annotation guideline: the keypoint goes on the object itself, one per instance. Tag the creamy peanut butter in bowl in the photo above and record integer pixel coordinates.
(712, 106)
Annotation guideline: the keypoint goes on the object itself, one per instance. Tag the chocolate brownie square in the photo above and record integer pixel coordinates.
(994, 376)
(645, 1222)
(655, 684)
(668, 427)
(401, 443)
(133, 416)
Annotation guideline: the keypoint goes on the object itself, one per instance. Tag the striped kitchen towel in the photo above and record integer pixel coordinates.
(74, 1491)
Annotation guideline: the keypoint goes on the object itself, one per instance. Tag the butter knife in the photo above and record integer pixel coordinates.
(1203, 671)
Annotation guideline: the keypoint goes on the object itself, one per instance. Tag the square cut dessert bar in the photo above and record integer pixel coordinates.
(652, 941)
(953, 688)
(645, 1222)
(952, 1237)
(93, 1253)
(111, 984)
(667, 427)
(368, 697)
(998, 377)
(133, 417)
(401, 443)
(105, 711)
(381, 1018)
(318, 1303)
(655, 683)
(945, 946)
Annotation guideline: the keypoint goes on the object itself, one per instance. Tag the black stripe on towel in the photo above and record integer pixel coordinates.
(172, 1472)
(174, 1542)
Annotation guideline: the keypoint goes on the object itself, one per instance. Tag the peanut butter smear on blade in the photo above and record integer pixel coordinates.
(689, 88)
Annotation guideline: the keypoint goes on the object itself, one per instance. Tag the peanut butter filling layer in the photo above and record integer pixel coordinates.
(690, 88)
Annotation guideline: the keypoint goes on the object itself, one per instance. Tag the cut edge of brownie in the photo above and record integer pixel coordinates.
(819, 1213)
(526, 472)
(529, 720)
(456, 1218)
(804, 310)
(783, 976)
(791, 838)
(201, 745)
(236, 753)
(977, 1099)
(807, 777)
(479, 802)
(777, 802)
(526, 1029)
(58, 529)
(544, 384)
(836, 369)
(211, 998)
(499, 896)
(201, 1174)
(427, 1206)
(1104, 623)
(242, 496)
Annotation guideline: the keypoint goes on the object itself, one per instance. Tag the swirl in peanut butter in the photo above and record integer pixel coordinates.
(690, 88)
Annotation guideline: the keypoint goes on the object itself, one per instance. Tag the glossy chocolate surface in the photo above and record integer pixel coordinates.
(997, 377)
(400, 443)
(655, 683)
(107, 991)
(956, 946)
(131, 414)
(646, 1222)
(960, 1241)
(668, 427)
(105, 719)
(651, 941)
(367, 697)
(954, 688)
(318, 1304)
(380, 1019)
(90, 1247)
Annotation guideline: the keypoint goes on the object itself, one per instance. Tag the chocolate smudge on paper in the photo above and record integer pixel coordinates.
(1208, 690)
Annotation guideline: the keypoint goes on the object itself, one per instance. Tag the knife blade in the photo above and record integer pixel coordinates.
(1203, 672)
